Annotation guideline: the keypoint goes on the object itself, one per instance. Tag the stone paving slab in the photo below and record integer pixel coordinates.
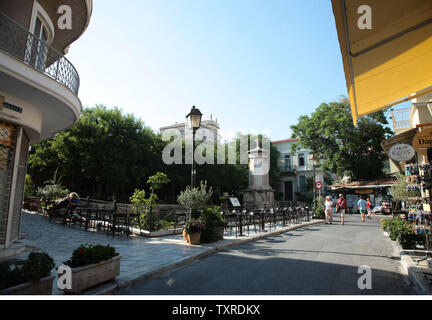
(142, 258)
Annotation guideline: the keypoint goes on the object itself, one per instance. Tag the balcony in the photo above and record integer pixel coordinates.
(287, 170)
(37, 54)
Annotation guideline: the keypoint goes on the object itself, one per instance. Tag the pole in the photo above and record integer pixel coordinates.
(193, 159)
(314, 185)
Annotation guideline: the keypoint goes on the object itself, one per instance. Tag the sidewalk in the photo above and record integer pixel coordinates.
(142, 258)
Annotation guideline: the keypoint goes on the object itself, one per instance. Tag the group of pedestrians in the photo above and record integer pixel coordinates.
(364, 205)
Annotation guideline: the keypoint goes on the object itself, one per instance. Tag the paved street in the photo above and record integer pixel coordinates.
(315, 260)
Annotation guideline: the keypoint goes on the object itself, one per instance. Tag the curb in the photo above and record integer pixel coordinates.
(415, 274)
(152, 274)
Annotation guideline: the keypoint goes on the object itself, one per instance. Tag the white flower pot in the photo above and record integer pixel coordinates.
(91, 275)
(43, 287)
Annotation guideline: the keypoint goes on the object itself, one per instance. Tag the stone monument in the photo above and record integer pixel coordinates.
(259, 194)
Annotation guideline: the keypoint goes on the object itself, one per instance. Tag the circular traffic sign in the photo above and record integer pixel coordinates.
(318, 185)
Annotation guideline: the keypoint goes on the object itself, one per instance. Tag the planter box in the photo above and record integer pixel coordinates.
(220, 231)
(43, 287)
(89, 276)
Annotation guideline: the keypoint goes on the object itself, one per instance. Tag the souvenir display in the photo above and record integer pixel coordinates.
(419, 178)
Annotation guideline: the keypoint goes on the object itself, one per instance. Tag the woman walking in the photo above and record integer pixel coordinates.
(369, 208)
(328, 207)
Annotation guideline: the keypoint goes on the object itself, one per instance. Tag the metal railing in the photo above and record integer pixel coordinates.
(400, 118)
(25, 46)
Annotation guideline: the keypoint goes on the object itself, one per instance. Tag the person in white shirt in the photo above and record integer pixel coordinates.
(328, 208)
(362, 206)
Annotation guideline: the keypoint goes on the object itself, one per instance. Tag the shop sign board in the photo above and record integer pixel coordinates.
(235, 202)
(364, 191)
(423, 141)
(401, 152)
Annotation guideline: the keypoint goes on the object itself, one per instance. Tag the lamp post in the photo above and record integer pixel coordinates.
(194, 122)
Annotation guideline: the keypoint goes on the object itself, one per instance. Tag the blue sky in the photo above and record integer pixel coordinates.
(252, 64)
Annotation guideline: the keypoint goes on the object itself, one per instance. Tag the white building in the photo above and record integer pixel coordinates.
(210, 127)
(295, 171)
(38, 90)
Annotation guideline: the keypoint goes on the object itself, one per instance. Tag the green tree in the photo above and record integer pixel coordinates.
(398, 190)
(342, 148)
(145, 206)
(105, 153)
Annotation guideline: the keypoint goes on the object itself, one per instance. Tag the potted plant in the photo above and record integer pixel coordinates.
(215, 224)
(29, 277)
(194, 228)
(92, 265)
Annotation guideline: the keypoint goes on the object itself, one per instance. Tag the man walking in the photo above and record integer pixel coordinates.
(341, 207)
(361, 205)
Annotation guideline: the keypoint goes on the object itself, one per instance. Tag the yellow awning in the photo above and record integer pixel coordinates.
(390, 61)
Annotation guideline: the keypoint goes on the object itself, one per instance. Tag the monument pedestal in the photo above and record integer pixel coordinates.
(259, 198)
(259, 194)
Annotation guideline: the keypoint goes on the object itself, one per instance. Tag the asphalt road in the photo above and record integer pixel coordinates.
(315, 260)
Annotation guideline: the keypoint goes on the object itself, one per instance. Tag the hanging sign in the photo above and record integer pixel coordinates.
(401, 152)
(422, 141)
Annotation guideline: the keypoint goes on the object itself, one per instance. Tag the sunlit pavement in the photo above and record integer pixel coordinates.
(142, 258)
(314, 260)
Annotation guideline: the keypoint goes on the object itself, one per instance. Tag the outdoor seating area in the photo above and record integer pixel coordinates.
(241, 221)
(118, 219)
(97, 216)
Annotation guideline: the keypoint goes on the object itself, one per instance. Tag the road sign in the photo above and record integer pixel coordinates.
(318, 185)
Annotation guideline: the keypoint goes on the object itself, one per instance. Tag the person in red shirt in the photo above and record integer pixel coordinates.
(369, 208)
(341, 207)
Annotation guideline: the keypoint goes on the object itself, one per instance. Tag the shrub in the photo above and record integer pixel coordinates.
(401, 231)
(35, 267)
(144, 206)
(212, 218)
(385, 223)
(88, 254)
(195, 198)
(319, 211)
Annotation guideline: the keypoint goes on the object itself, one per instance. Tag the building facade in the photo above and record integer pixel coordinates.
(297, 172)
(209, 128)
(38, 89)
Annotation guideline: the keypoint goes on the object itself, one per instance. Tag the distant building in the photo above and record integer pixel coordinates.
(211, 126)
(297, 172)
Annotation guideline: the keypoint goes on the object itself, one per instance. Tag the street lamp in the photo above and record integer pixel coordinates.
(194, 122)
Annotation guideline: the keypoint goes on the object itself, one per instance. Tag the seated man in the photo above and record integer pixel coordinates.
(73, 205)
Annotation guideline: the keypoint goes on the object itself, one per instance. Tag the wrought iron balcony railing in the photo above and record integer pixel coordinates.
(34, 52)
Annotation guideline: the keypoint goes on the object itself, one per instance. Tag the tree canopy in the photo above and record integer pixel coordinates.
(342, 148)
(109, 153)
